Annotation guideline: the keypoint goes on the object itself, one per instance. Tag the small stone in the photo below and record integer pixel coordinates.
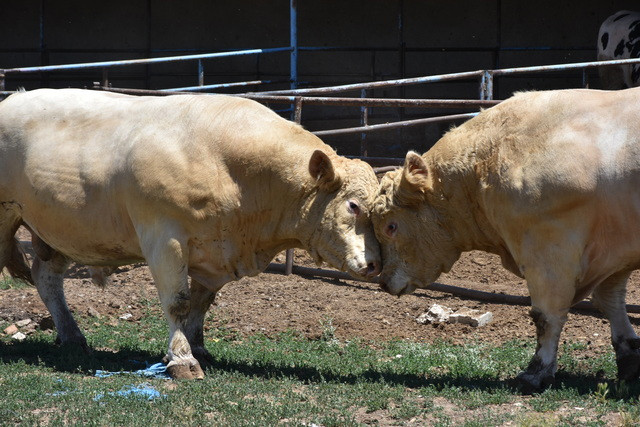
(18, 336)
(22, 323)
(93, 312)
(11, 329)
(126, 316)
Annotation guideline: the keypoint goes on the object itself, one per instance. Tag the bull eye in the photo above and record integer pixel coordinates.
(392, 227)
(354, 208)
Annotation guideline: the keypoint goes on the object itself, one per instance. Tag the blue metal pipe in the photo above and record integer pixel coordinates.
(293, 26)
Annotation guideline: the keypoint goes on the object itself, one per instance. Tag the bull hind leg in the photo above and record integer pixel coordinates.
(201, 300)
(12, 256)
(609, 297)
(48, 276)
(167, 259)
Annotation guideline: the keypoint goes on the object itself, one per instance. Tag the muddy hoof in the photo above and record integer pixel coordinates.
(185, 372)
(628, 367)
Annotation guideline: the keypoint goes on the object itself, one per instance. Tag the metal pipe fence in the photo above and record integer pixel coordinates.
(298, 97)
(105, 66)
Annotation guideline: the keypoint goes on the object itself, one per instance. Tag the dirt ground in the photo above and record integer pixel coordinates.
(272, 303)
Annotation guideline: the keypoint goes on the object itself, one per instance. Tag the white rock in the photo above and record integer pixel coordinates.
(126, 316)
(18, 336)
(471, 317)
(22, 323)
(436, 314)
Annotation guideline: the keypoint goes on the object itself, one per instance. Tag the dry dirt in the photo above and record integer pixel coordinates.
(272, 303)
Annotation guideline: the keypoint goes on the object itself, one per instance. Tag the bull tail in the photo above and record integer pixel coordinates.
(17, 264)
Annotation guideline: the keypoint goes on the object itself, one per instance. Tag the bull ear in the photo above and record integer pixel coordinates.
(416, 179)
(322, 170)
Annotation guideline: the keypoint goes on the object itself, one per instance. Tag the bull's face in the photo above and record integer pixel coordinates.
(344, 236)
(416, 245)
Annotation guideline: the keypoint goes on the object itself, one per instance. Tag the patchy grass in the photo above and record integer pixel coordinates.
(8, 282)
(291, 380)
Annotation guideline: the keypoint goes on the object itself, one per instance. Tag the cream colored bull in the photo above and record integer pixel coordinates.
(550, 181)
(210, 187)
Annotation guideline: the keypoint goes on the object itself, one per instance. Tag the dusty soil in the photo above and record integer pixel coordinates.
(272, 303)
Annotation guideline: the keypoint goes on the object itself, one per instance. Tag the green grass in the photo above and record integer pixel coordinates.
(291, 380)
(7, 282)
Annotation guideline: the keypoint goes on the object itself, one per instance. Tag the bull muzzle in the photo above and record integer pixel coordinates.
(371, 270)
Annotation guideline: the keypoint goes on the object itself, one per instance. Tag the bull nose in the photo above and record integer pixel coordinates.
(371, 270)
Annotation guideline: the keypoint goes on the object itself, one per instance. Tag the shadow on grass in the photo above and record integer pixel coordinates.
(72, 359)
(583, 384)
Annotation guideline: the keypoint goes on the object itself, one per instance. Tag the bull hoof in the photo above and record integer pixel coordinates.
(76, 342)
(202, 356)
(628, 367)
(185, 371)
(529, 383)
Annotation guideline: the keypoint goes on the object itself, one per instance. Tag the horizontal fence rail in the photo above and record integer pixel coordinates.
(395, 125)
(106, 65)
(142, 61)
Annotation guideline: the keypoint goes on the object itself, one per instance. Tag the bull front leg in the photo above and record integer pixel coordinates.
(167, 257)
(609, 297)
(542, 368)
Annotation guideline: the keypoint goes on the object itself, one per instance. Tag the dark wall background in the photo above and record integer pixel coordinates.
(342, 42)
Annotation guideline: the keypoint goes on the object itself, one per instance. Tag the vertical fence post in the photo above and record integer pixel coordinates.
(486, 85)
(105, 77)
(293, 78)
(2, 86)
(297, 110)
(364, 121)
(200, 73)
(293, 28)
(297, 116)
(585, 78)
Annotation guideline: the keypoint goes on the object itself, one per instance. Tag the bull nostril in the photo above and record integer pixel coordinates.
(373, 269)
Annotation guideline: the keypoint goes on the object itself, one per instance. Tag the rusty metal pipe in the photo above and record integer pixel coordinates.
(376, 102)
(394, 125)
(439, 287)
(372, 85)
(563, 67)
(314, 100)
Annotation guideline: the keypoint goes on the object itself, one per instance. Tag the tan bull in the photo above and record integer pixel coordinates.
(210, 187)
(550, 181)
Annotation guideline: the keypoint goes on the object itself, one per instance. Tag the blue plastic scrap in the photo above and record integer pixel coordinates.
(157, 370)
(144, 390)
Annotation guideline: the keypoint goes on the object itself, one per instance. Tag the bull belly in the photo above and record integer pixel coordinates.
(88, 244)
